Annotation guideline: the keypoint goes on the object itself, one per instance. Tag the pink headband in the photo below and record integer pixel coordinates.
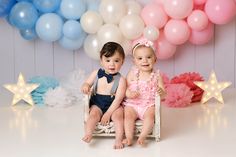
(145, 42)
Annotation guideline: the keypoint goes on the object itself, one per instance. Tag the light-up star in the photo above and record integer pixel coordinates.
(212, 88)
(21, 90)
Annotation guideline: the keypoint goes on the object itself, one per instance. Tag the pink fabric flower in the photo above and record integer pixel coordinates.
(188, 79)
(178, 95)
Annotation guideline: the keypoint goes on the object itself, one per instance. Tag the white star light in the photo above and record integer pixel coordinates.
(21, 90)
(212, 88)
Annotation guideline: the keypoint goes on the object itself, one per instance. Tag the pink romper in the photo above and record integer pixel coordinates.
(147, 91)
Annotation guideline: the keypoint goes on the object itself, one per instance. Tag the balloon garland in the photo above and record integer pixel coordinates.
(91, 23)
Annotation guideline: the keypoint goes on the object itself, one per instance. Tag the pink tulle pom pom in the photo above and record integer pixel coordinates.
(188, 79)
(178, 95)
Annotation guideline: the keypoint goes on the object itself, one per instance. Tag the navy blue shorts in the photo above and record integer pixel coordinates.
(101, 101)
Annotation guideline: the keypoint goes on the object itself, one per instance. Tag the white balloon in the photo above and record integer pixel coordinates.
(127, 46)
(91, 46)
(109, 32)
(91, 22)
(133, 7)
(112, 10)
(131, 26)
(151, 33)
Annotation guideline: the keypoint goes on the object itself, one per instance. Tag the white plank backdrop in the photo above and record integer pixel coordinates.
(39, 58)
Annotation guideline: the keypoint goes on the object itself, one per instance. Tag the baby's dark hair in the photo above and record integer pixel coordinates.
(110, 48)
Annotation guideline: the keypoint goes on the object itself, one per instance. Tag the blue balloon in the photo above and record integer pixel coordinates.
(73, 44)
(5, 6)
(47, 6)
(49, 27)
(72, 29)
(8, 20)
(73, 9)
(93, 4)
(28, 34)
(23, 15)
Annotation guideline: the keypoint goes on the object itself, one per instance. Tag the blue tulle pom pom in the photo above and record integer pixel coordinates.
(45, 83)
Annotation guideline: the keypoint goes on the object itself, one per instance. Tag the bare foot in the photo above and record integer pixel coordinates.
(118, 145)
(127, 142)
(141, 140)
(87, 138)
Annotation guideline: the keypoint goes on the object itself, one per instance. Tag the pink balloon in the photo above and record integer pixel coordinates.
(199, 7)
(177, 31)
(164, 49)
(220, 11)
(202, 37)
(178, 9)
(153, 14)
(197, 20)
(161, 2)
(199, 2)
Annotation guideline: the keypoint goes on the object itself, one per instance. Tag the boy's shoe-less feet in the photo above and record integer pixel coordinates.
(127, 142)
(87, 138)
(118, 145)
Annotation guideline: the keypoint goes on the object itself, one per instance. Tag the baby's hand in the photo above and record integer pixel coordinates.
(85, 88)
(133, 94)
(160, 91)
(105, 119)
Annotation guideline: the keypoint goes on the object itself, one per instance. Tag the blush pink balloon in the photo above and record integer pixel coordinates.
(202, 37)
(178, 9)
(164, 49)
(220, 11)
(161, 2)
(177, 31)
(197, 20)
(199, 2)
(153, 14)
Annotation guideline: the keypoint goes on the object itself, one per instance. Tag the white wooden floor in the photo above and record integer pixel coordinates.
(196, 131)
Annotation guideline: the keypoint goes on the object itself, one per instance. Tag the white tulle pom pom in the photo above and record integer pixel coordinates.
(73, 82)
(59, 97)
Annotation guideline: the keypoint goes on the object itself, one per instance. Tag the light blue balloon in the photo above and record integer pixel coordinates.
(93, 5)
(5, 6)
(72, 44)
(28, 34)
(47, 6)
(73, 9)
(23, 15)
(24, 0)
(58, 12)
(49, 27)
(72, 29)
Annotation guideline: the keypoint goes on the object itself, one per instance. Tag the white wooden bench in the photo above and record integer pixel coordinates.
(109, 129)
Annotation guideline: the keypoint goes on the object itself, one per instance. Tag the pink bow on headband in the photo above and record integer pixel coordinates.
(145, 42)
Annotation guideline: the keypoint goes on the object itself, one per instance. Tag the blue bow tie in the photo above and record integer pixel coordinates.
(101, 73)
